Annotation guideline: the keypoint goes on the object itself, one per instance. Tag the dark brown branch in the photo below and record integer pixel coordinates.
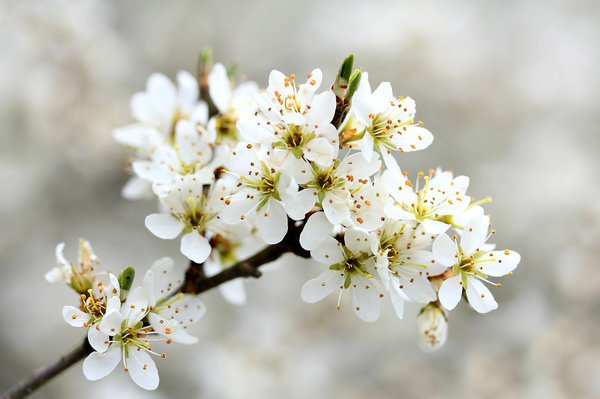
(195, 282)
(42, 376)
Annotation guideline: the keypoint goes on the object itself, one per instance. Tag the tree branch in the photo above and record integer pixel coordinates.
(195, 282)
(42, 376)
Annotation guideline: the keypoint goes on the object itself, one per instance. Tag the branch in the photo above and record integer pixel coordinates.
(195, 282)
(42, 376)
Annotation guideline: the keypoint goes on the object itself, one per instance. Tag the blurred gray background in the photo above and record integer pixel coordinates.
(510, 90)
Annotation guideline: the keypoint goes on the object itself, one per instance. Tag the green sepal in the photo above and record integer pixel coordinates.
(347, 281)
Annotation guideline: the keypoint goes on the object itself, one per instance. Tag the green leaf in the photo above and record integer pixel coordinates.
(126, 278)
(354, 83)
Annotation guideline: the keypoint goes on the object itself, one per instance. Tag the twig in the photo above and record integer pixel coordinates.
(42, 376)
(195, 282)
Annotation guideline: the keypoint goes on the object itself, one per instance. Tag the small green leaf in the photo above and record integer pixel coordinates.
(354, 83)
(126, 278)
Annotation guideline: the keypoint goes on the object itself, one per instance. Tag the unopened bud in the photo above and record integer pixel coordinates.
(126, 280)
(432, 327)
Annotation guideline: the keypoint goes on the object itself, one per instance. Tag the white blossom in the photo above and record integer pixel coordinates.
(351, 269)
(471, 264)
(432, 328)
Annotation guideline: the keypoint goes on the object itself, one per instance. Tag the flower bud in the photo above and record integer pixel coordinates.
(126, 280)
(340, 86)
(432, 327)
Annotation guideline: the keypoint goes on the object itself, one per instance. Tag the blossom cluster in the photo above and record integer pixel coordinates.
(231, 179)
(124, 324)
(233, 166)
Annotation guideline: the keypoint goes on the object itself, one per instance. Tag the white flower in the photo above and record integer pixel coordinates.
(131, 342)
(470, 263)
(232, 104)
(171, 313)
(387, 122)
(103, 297)
(191, 154)
(79, 277)
(294, 121)
(160, 107)
(263, 188)
(192, 212)
(441, 196)
(404, 263)
(233, 244)
(351, 269)
(432, 327)
(331, 187)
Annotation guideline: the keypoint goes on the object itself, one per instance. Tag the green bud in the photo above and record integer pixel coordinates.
(353, 84)
(341, 80)
(126, 278)
(346, 68)
(232, 70)
(205, 58)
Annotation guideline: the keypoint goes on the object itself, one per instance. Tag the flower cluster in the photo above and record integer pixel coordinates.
(233, 167)
(123, 325)
(328, 159)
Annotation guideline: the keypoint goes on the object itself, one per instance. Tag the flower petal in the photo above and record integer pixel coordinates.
(272, 222)
(505, 262)
(480, 298)
(142, 369)
(474, 234)
(445, 250)
(164, 225)
(99, 365)
(366, 298)
(450, 292)
(318, 288)
(316, 229)
(74, 316)
(329, 252)
(195, 246)
(97, 339)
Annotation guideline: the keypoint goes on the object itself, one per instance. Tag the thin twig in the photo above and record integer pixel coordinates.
(42, 376)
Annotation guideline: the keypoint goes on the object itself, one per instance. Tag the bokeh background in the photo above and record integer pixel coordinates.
(510, 90)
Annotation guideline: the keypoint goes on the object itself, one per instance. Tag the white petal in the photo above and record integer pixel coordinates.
(142, 369)
(398, 299)
(474, 234)
(219, 87)
(435, 227)
(185, 311)
(238, 208)
(171, 329)
(111, 322)
(99, 365)
(136, 189)
(382, 96)
(319, 150)
(234, 292)
(505, 262)
(302, 204)
(162, 280)
(136, 306)
(357, 166)
(188, 89)
(322, 109)
(445, 250)
(336, 207)
(97, 339)
(418, 289)
(450, 292)
(164, 225)
(366, 145)
(318, 288)
(272, 222)
(316, 229)
(358, 241)
(74, 316)
(195, 246)
(329, 252)
(366, 299)
(480, 298)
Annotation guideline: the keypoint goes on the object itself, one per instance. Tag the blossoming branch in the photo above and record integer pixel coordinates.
(243, 175)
